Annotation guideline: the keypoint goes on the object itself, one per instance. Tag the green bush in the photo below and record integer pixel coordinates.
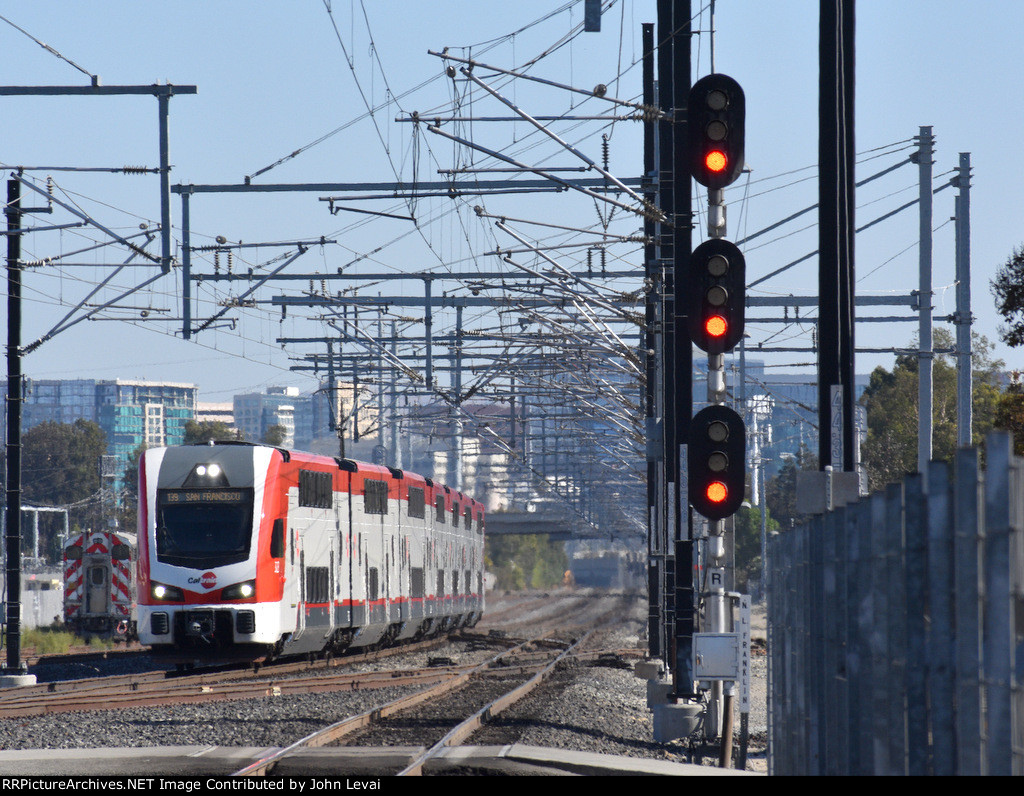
(48, 642)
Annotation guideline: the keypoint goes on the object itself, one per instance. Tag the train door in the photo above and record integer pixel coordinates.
(97, 594)
(301, 616)
(347, 556)
(290, 609)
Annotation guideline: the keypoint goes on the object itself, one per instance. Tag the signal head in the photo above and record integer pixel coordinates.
(716, 113)
(716, 457)
(716, 296)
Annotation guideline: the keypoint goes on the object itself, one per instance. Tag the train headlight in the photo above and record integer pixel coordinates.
(206, 475)
(239, 591)
(161, 591)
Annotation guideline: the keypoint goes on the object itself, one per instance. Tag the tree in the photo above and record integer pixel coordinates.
(1010, 412)
(890, 451)
(128, 504)
(747, 535)
(60, 466)
(519, 562)
(275, 435)
(1008, 288)
(199, 431)
(780, 491)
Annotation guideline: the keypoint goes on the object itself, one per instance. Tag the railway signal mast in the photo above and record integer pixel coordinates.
(716, 451)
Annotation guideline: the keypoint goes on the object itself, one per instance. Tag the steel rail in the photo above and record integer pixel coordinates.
(464, 729)
(148, 692)
(339, 729)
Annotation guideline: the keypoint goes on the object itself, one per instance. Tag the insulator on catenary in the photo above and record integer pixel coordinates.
(135, 170)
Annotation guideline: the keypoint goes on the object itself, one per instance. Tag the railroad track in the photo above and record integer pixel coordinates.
(216, 683)
(446, 699)
(584, 704)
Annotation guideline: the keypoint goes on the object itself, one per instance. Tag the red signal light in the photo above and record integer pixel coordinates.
(716, 492)
(716, 161)
(716, 326)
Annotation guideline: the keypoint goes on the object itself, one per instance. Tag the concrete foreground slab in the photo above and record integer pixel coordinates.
(191, 761)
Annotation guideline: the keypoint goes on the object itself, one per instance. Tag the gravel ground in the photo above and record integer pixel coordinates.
(585, 707)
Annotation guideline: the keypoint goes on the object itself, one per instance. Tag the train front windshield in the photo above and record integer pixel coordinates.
(203, 528)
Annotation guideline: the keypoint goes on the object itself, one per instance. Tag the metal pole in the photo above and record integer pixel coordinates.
(428, 329)
(186, 268)
(355, 377)
(15, 389)
(836, 188)
(656, 547)
(380, 396)
(665, 239)
(680, 389)
(163, 100)
(925, 356)
(964, 385)
(455, 462)
(394, 449)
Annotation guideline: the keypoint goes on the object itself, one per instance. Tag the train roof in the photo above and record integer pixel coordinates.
(122, 536)
(346, 465)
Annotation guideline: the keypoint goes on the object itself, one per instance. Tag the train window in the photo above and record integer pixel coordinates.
(455, 514)
(416, 582)
(373, 587)
(417, 503)
(439, 505)
(277, 539)
(120, 552)
(469, 517)
(316, 489)
(318, 585)
(203, 528)
(375, 496)
(440, 583)
(455, 582)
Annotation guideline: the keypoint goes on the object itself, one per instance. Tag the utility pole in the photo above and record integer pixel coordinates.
(925, 346)
(14, 672)
(836, 187)
(963, 318)
(657, 542)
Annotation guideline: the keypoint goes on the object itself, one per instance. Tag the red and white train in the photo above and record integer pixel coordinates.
(99, 586)
(249, 551)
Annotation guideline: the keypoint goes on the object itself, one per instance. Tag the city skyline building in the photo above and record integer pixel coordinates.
(131, 413)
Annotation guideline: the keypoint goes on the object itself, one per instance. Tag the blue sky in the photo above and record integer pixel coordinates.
(274, 77)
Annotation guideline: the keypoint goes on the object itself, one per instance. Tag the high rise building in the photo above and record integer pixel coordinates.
(257, 413)
(137, 413)
(131, 413)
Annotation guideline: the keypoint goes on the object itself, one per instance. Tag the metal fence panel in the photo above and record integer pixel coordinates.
(896, 628)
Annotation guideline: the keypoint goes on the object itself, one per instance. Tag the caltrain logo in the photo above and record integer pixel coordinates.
(208, 580)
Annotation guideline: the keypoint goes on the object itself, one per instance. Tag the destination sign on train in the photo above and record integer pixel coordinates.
(204, 496)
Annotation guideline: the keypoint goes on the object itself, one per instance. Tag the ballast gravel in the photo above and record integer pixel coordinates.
(583, 707)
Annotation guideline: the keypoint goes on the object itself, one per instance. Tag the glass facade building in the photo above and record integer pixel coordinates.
(131, 413)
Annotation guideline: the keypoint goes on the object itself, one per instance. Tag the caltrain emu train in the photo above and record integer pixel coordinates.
(249, 551)
(99, 585)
